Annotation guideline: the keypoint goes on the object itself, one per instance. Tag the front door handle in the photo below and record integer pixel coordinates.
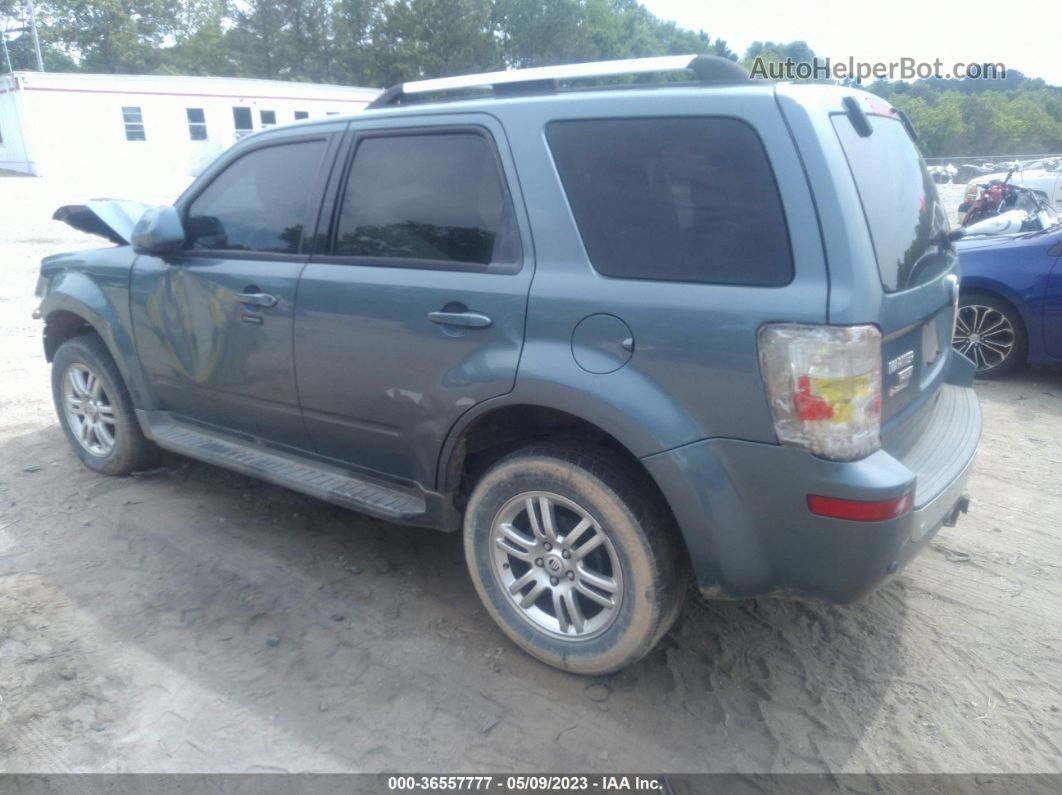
(462, 319)
(257, 299)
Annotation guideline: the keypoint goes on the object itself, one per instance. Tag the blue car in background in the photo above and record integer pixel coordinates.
(1010, 303)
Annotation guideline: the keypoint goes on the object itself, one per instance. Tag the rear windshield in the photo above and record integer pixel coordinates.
(674, 199)
(904, 215)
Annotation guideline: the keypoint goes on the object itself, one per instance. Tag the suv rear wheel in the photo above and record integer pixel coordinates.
(574, 558)
(95, 409)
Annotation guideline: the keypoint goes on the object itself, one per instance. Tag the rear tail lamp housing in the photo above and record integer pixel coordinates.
(824, 387)
(860, 510)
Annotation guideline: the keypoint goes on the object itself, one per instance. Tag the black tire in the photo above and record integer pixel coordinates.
(973, 308)
(638, 537)
(130, 450)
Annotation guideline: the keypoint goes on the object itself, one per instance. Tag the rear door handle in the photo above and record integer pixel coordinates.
(257, 299)
(462, 319)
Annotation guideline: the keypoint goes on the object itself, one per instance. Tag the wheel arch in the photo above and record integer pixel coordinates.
(61, 325)
(999, 293)
(75, 305)
(485, 436)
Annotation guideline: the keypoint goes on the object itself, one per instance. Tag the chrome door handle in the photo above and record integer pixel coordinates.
(462, 319)
(257, 299)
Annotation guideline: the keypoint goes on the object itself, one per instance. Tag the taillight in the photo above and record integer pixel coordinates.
(824, 387)
(860, 510)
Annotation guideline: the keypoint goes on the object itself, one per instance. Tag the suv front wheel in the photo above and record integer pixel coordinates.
(95, 409)
(574, 557)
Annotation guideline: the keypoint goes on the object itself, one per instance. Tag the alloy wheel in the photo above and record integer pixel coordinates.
(88, 410)
(984, 334)
(556, 565)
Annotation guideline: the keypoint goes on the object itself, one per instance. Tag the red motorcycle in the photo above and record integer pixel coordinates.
(985, 199)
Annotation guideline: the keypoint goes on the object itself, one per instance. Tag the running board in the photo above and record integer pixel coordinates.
(284, 469)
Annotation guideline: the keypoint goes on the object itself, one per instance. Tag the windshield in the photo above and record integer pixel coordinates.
(904, 215)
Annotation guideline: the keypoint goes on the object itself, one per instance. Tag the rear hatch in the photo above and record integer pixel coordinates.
(915, 263)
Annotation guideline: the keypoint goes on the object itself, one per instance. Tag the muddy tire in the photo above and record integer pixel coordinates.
(95, 409)
(574, 557)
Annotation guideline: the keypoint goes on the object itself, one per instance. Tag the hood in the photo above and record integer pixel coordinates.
(1048, 241)
(113, 219)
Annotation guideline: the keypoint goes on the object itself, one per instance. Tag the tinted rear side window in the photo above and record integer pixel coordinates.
(674, 199)
(904, 215)
(436, 197)
(259, 203)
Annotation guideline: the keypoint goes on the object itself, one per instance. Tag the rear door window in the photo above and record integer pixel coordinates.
(432, 200)
(258, 203)
(674, 199)
(903, 213)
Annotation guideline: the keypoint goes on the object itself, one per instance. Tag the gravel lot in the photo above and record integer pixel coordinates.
(195, 620)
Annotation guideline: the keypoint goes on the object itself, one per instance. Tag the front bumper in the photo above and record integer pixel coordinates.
(742, 507)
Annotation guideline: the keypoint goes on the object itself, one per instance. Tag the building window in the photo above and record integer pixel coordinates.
(134, 124)
(301, 114)
(197, 130)
(268, 118)
(241, 119)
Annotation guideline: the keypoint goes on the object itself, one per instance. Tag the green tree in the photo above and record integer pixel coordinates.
(199, 41)
(431, 38)
(351, 58)
(110, 35)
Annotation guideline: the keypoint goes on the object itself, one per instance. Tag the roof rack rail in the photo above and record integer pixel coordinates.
(707, 68)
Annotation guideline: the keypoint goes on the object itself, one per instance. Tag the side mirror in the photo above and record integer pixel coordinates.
(159, 231)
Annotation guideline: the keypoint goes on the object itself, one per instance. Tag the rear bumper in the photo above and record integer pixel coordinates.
(742, 507)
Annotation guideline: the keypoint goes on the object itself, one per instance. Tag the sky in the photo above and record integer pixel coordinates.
(1026, 37)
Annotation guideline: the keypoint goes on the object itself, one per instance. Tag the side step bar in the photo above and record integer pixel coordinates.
(284, 469)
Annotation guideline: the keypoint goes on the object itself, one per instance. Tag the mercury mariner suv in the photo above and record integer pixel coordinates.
(611, 330)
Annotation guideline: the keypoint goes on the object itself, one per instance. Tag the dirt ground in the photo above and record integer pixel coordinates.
(195, 620)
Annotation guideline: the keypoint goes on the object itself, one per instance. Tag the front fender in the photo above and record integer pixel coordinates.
(94, 285)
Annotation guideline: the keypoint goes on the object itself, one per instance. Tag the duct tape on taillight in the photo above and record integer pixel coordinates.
(824, 387)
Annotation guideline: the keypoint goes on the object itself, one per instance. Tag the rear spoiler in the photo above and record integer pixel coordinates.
(858, 117)
(113, 219)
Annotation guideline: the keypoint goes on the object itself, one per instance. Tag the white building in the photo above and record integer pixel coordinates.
(51, 123)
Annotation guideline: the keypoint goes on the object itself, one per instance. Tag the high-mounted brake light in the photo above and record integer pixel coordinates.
(824, 387)
(859, 510)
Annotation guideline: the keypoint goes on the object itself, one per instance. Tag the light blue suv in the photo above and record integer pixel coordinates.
(612, 332)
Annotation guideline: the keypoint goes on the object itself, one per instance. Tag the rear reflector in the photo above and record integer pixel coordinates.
(858, 510)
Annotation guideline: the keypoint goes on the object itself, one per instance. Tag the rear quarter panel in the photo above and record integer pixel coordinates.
(694, 371)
